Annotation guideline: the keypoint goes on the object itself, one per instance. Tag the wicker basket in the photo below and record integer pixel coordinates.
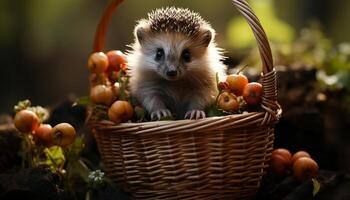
(212, 158)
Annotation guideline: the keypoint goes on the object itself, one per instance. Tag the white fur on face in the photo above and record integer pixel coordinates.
(172, 45)
(143, 57)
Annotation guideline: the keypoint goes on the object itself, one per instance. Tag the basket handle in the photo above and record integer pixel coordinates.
(241, 5)
(269, 99)
(259, 33)
(100, 35)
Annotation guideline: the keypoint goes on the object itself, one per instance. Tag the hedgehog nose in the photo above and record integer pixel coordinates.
(171, 73)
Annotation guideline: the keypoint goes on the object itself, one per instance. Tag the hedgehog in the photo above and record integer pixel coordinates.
(173, 64)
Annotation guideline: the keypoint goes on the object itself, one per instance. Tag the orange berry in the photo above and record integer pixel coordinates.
(304, 168)
(236, 83)
(283, 152)
(98, 62)
(63, 134)
(101, 94)
(120, 111)
(26, 121)
(279, 164)
(300, 154)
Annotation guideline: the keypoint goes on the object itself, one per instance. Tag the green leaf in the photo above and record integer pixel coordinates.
(54, 158)
(82, 101)
(123, 85)
(21, 105)
(75, 149)
(41, 112)
(317, 186)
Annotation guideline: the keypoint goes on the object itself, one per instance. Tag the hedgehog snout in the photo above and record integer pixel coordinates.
(171, 73)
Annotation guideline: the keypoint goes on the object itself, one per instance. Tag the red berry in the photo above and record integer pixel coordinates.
(116, 59)
(252, 93)
(223, 86)
(43, 135)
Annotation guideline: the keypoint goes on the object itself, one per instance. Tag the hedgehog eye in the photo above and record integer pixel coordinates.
(186, 56)
(159, 54)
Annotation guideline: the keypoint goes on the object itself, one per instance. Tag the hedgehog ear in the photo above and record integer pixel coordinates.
(205, 37)
(141, 34)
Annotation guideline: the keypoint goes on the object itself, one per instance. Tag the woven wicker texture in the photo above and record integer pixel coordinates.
(212, 158)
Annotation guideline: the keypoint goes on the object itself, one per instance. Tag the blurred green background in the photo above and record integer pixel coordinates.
(45, 43)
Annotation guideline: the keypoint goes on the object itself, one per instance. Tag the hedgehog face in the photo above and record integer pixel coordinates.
(173, 55)
(173, 42)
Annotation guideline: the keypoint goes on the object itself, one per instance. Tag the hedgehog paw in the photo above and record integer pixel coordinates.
(161, 114)
(195, 114)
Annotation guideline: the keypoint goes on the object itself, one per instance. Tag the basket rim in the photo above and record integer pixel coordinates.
(164, 122)
(233, 121)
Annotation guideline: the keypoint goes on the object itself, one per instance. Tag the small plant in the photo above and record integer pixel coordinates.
(56, 148)
(96, 179)
(38, 138)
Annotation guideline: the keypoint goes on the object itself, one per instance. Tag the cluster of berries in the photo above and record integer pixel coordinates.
(30, 124)
(236, 92)
(109, 84)
(301, 163)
